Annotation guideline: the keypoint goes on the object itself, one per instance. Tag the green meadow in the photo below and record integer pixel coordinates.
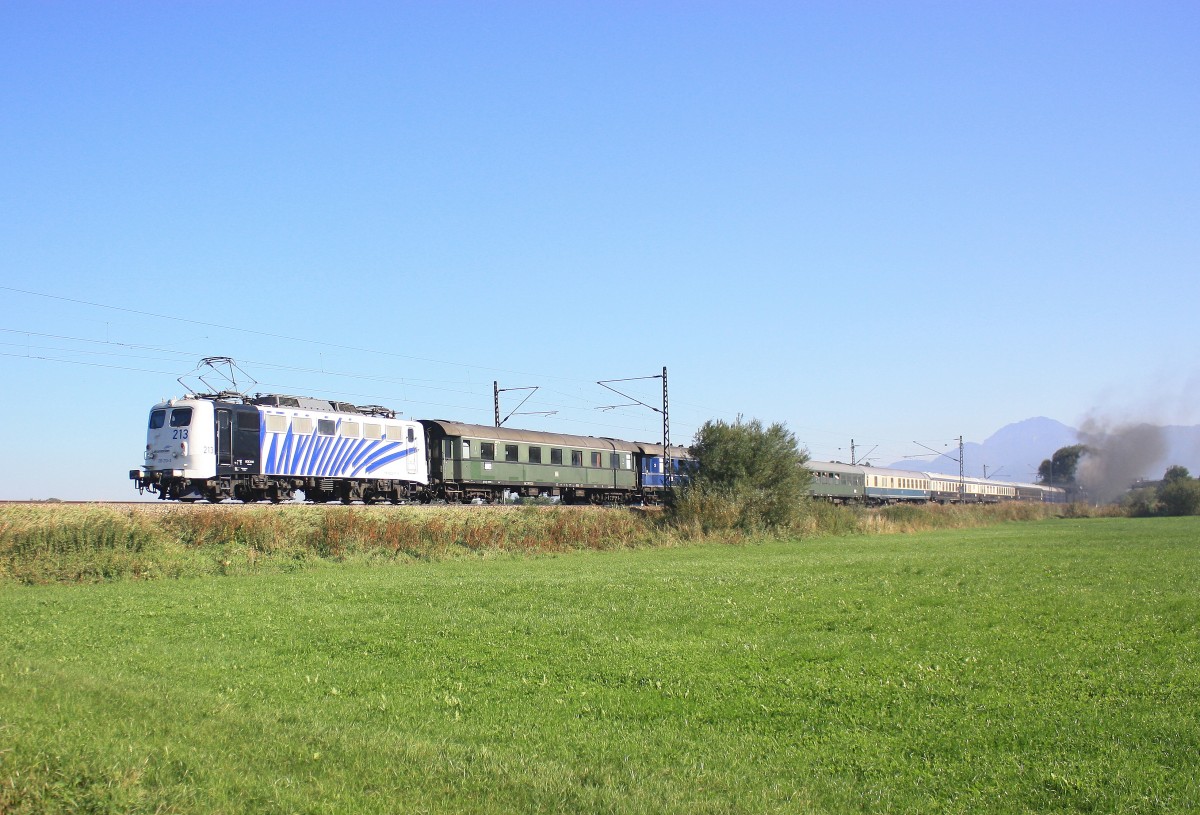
(1044, 666)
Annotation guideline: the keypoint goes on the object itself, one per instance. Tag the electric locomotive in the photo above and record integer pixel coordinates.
(216, 446)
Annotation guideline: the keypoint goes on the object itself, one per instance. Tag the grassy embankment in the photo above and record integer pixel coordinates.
(1040, 667)
(58, 543)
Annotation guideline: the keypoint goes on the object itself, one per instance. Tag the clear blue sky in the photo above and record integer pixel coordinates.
(885, 221)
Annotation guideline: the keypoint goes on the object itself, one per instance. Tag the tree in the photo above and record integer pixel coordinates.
(1175, 473)
(748, 477)
(1059, 469)
(1178, 493)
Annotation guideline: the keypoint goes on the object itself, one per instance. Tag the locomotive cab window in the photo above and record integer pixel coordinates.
(157, 419)
(181, 417)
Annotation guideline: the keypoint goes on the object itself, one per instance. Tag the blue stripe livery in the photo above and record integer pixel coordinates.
(328, 456)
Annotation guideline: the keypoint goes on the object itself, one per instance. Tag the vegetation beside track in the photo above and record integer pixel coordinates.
(1034, 667)
(59, 543)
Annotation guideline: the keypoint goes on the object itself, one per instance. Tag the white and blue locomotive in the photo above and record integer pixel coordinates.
(266, 448)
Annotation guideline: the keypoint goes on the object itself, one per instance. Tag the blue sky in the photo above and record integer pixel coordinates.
(892, 222)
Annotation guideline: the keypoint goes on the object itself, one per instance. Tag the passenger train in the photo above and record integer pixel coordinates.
(877, 486)
(269, 447)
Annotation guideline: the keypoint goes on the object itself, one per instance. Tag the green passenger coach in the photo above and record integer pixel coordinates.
(469, 462)
(837, 482)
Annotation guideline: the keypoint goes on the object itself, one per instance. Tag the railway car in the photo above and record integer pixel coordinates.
(945, 489)
(837, 482)
(887, 486)
(211, 447)
(1039, 493)
(656, 475)
(479, 462)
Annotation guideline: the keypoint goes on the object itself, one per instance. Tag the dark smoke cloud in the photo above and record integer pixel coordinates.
(1117, 456)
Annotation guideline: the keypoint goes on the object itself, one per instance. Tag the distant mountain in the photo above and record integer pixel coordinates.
(1014, 452)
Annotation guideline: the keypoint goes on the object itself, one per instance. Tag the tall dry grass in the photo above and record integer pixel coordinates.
(65, 543)
(72, 544)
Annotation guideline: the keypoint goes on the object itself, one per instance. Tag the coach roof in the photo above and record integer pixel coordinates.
(535, 437)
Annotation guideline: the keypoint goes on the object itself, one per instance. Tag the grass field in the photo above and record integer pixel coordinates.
(1035, 667)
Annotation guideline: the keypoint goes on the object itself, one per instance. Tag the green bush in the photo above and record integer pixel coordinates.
(1180, 496)
(750, 479)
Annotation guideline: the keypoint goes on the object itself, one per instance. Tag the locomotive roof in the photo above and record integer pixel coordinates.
(482, 431)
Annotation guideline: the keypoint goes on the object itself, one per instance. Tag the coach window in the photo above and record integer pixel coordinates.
(596, 460)
(510, 452)
(535, 455)
(555, 455)
(448, 449)
(628, 461)
(614, 461)
(576, 458)
(157, 419)
(325, 427)
(487, 450)
(466, 449)
(181, 417)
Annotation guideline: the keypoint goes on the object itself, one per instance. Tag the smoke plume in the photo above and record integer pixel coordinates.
(1117, 455)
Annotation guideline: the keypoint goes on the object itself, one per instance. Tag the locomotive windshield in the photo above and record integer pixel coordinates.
(157, 418)
(181, 417)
